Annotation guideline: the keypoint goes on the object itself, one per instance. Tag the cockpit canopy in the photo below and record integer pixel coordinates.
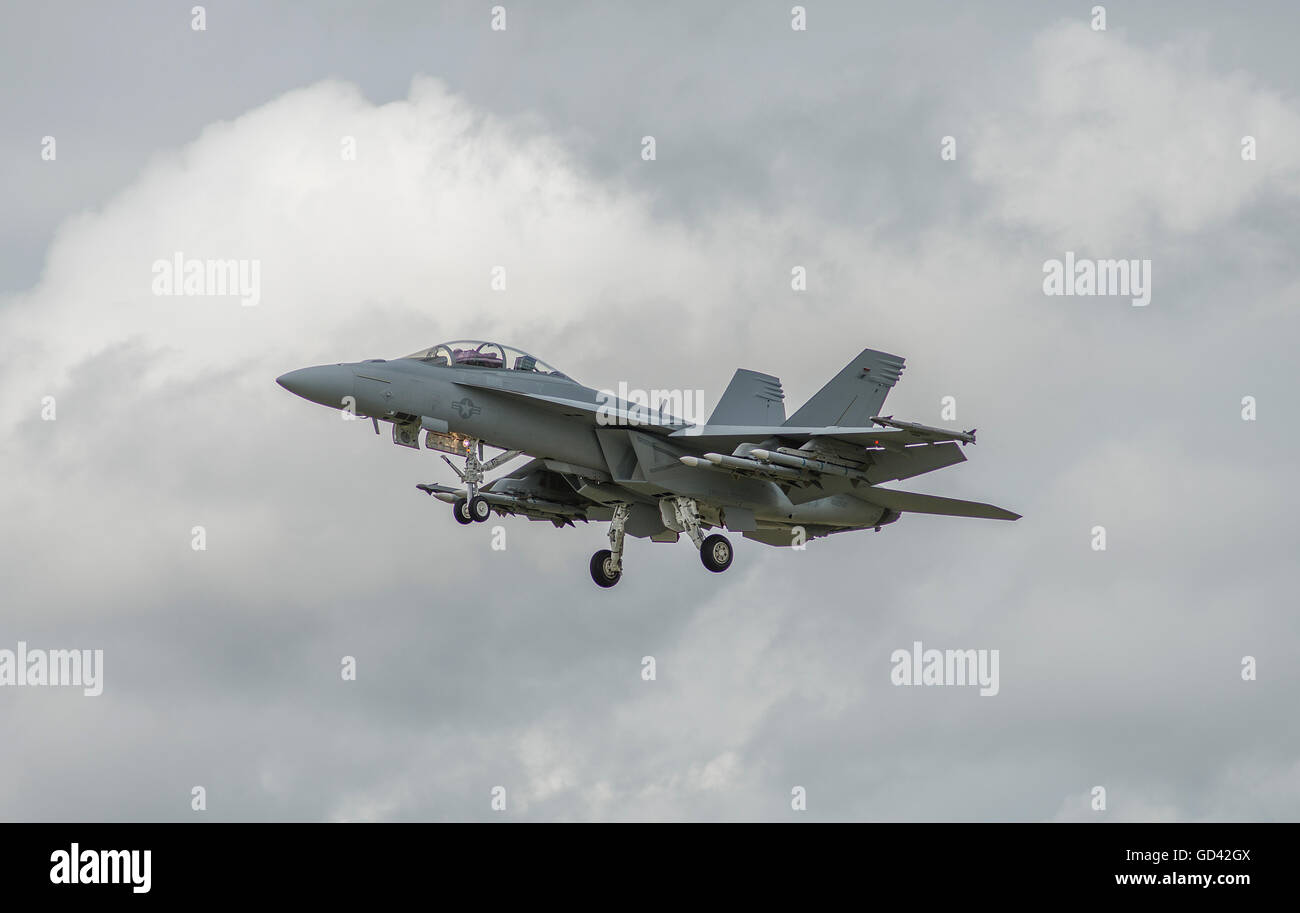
(476, 353)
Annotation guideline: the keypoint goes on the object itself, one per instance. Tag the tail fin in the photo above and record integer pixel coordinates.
(854, 396)
(750, 399)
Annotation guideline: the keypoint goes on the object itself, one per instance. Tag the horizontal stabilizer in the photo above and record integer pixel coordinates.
(912, 502)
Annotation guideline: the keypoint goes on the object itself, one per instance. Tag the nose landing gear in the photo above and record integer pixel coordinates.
(471, 510)
(474, 508)
(460, 510)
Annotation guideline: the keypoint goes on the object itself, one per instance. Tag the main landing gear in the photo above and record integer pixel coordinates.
(715, 550)
(607, 564)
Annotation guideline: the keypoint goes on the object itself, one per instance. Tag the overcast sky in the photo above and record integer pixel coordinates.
(775, 148)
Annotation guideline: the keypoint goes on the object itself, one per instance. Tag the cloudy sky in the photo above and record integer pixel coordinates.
(775, 148)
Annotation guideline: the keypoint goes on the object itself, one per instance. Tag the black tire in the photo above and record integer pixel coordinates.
(716, 553)
(600, 570)
(479, 509)
(460, 510)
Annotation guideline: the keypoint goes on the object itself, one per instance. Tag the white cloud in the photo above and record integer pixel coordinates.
(1112, 144)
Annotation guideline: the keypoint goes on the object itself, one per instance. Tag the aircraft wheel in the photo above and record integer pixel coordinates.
(460, 510)
(479, 509)
(716, 553)
(602, 569)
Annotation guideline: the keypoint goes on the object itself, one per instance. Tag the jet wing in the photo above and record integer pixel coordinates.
(902, 434)
(836, 459)
(799, 471)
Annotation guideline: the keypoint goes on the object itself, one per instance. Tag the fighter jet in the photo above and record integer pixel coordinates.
(647, 473)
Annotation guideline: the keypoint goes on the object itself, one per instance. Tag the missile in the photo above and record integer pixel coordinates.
(798, 462)
(966, 437)
(720, 463)
(741, 464)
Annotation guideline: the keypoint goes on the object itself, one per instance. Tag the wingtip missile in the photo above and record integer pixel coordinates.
(926, 431)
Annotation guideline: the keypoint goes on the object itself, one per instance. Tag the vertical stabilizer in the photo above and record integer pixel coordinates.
(750, 399)
(854, 396)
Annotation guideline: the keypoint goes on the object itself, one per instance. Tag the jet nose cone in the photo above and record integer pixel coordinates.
(324, 384)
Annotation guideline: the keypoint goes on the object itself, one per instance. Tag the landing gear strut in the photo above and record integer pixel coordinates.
(715, 550)
(607, 564)
(474, 508)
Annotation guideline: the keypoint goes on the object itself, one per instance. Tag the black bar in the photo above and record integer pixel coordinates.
(332, 861)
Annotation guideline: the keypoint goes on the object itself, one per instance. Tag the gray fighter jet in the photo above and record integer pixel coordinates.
(649, 474)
